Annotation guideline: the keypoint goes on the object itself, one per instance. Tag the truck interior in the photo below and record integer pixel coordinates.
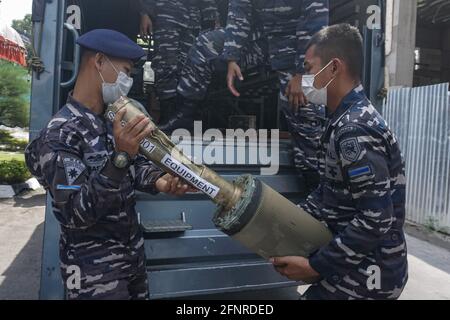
(186, 254)
(257, 107)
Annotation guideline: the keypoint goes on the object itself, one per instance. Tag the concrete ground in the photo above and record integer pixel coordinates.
(21, 234)
(22, 228)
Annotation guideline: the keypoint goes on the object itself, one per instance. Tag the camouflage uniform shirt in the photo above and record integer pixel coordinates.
(361, 198)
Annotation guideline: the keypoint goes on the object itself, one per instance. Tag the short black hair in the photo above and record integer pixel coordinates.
(85, 55)
(341, 41)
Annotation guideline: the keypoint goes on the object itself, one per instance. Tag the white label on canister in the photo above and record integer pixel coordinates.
(182, 171)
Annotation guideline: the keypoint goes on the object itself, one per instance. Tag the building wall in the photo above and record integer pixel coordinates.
(401, 24)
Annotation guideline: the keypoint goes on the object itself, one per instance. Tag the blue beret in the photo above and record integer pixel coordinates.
(111, 43)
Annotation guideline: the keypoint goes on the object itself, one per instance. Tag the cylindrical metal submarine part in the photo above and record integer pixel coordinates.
(249, 211)
(270, 225)
(159, 149)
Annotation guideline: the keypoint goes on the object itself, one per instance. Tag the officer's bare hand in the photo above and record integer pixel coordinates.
(173, 185)
(295, 94)
(296, 269)
(233, 71)
(129, 137)
(146, 25)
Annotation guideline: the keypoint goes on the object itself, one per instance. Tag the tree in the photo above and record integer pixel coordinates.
(14, 95)
(24, 26)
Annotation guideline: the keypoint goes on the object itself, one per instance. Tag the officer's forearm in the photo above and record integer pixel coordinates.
(209, 10)
(146, 176)
(238, 29)
(315, 17)
(148, 7)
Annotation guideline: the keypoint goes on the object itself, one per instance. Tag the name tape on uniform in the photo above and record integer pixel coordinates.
(188, 175)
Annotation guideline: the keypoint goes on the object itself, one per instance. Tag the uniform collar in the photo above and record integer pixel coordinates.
(354, 96)
(90, 118)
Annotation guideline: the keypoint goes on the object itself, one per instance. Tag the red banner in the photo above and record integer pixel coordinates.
(12, 52)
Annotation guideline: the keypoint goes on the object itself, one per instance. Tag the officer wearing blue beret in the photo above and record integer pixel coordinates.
(91, 168)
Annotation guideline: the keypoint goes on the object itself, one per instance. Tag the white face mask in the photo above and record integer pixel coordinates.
(314, 95)
(113, 91)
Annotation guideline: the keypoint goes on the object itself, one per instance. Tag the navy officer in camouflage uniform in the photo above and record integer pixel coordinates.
(361, 197)
(175, 25)
(91, 168)
(257, 32)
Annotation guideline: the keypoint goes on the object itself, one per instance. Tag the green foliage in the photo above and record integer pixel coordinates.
(7, 156)
(13, 171)
(9, 143)
(24, 26)
(432, 224)
(14, 93)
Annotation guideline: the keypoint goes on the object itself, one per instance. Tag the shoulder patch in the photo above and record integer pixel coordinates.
(350, 149)
(73, 168)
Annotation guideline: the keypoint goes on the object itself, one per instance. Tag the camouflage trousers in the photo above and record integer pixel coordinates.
(325, 291)
(306, 126)
(172, 42)
(131, 284)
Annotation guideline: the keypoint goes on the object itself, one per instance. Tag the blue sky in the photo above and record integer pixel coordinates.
(14, 9)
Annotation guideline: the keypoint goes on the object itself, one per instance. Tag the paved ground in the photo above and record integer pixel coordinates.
(21, 232)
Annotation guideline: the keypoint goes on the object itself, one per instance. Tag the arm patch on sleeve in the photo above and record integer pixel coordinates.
(73, 168)
(359, 172)
(61, 187)
(350, 149)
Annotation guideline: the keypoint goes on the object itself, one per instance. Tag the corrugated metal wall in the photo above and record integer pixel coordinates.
(420, 117)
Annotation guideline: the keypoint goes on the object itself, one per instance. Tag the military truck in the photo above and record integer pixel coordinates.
(186, 255)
